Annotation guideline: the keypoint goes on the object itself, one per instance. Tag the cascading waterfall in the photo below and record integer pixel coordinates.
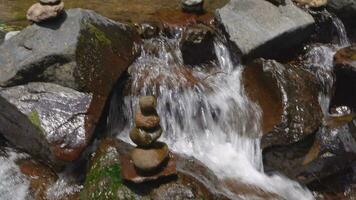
(204, 113)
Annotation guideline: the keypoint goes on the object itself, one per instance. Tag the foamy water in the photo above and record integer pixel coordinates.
(212, 119)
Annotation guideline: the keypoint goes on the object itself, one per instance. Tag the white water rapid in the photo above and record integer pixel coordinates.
(206, 114)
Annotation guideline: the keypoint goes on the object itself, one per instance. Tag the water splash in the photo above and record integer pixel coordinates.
(204, 113)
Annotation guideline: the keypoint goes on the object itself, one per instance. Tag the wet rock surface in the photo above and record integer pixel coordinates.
(256, 32)
(329, 152)
(288, 96)
(104, 180)
(46, 120)
(345, 72)
(83, 51)
(197, 44)
(345, 9)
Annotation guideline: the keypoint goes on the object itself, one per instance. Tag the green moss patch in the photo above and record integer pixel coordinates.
(34, 118)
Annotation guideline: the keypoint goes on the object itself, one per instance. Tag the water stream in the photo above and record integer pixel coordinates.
(205, 113)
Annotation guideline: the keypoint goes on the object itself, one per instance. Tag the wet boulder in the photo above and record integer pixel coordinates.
(288, 97)
(81, 50)
(329, 152)
(104, 181)
(46, 120)
(345, 72)
(345, 9)
(257, 33)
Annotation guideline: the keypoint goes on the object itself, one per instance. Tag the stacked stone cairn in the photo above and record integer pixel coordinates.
(149, 155)
(45, 10)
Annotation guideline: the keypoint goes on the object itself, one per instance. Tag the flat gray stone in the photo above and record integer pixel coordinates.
(258, 27)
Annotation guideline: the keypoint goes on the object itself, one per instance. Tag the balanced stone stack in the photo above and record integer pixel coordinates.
(149, 155)
(45, 10)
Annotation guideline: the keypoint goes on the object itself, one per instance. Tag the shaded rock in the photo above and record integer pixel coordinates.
(150, 159)
(345, 72)
(144, 138)
(103, 182)
(2, 36)
(278, 2)
(148, 105)
(255, 32)
(312, 3)
(197, 45)
(52, 2)
(83, 51)
(345, 9)
(39, 12)
(330, 152)
(46, 120)
(194, 6)
(149, 30)
(288, 96)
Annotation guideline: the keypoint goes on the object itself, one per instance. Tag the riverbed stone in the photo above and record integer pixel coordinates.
(39, 13)
(46, 120)
(288, 96)
(2, 36)
(256, 33)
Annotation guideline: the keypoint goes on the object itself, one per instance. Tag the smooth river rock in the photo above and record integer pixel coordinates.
(82, 50)
(257, 28)
(46, 120)
(147, 160)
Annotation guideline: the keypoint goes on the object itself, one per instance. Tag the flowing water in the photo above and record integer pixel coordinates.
(204, 113)
(319, 59)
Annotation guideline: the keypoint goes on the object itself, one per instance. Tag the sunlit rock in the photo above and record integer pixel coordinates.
(83, 51)
(46, 120)
(39, 13)
(256, 32)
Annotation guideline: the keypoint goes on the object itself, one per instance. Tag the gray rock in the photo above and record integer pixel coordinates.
(46, 120)
(65, 50)
(258, 27)
(81, 50)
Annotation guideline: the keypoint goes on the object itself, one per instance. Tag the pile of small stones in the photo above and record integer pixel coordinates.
(45, 10)
(149, 155)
